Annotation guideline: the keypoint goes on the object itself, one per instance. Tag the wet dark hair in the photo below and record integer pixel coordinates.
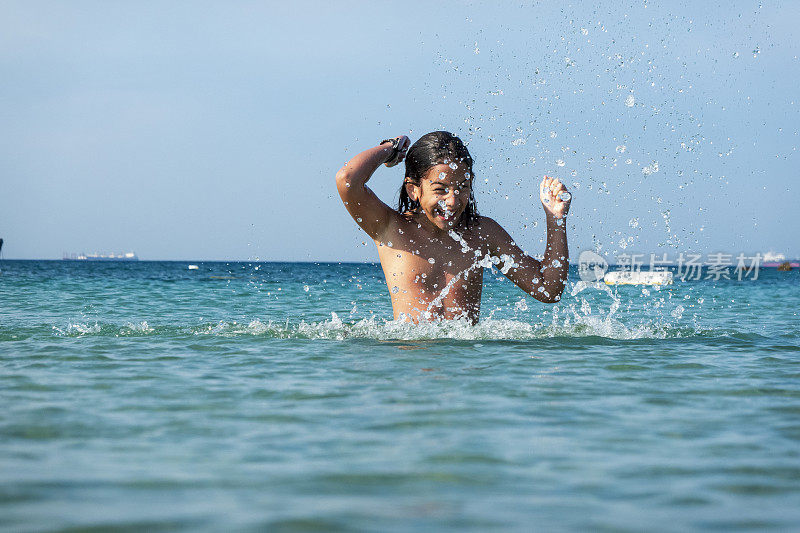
(436, 148)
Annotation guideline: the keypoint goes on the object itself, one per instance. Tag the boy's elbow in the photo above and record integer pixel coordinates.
(551, 297)
(343, 179)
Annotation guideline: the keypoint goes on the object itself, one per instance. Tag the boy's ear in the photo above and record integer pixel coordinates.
(412, 190)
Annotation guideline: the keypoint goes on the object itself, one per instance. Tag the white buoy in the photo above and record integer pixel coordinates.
(193, 267)
(638, 277)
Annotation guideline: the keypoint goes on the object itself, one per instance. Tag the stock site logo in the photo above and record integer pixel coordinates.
(591, 266)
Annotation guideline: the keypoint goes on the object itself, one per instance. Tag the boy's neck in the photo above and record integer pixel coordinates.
(435, 230)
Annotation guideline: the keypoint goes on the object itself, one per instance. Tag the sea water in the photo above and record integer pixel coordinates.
(280, 397)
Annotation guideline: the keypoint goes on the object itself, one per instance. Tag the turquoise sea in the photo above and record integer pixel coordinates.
(146, 396)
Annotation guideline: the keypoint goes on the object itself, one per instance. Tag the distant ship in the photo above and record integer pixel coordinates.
(773, 260)
(127, 256)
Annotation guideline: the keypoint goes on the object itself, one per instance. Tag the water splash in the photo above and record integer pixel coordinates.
(575, 321)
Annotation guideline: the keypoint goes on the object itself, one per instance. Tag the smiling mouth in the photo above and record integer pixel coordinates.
(445, 214)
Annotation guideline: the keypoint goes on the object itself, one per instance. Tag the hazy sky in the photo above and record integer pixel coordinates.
(213, 130)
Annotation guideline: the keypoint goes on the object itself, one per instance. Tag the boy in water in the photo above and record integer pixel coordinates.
(434, 247)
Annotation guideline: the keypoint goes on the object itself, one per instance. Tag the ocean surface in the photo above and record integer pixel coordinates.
(146, 396)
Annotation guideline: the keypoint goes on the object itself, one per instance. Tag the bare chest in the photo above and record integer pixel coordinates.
(437, 275)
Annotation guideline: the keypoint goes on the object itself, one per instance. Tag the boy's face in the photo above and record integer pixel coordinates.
(443, 194)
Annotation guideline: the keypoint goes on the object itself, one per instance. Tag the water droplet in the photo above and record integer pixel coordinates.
(584, 31)
(431, 260)
(306, 288)
(634, 222)
(453, 165)
(553, 135)
(652, 168)
(735, 55)
(395, 289)
(560, 163)
(621, 149)
(389, 244)
(358, 219)
(630, 101)
(564, 196)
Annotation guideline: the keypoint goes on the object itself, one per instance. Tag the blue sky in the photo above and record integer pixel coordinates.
(201, 130)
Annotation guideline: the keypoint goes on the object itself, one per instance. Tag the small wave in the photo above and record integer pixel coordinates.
(81, 329)
(77, 330)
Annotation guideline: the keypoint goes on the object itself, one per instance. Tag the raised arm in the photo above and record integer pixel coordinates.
(364, 206)
(545, 279)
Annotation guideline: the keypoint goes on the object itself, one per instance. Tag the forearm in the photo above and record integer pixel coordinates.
(356, 172)
(555, 264)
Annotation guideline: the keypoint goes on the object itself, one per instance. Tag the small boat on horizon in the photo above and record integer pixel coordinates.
(126, 256)
(779, 261)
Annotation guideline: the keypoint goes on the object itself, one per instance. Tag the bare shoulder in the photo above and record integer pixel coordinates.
(486, 224)
(491, 232)
(396, 224)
